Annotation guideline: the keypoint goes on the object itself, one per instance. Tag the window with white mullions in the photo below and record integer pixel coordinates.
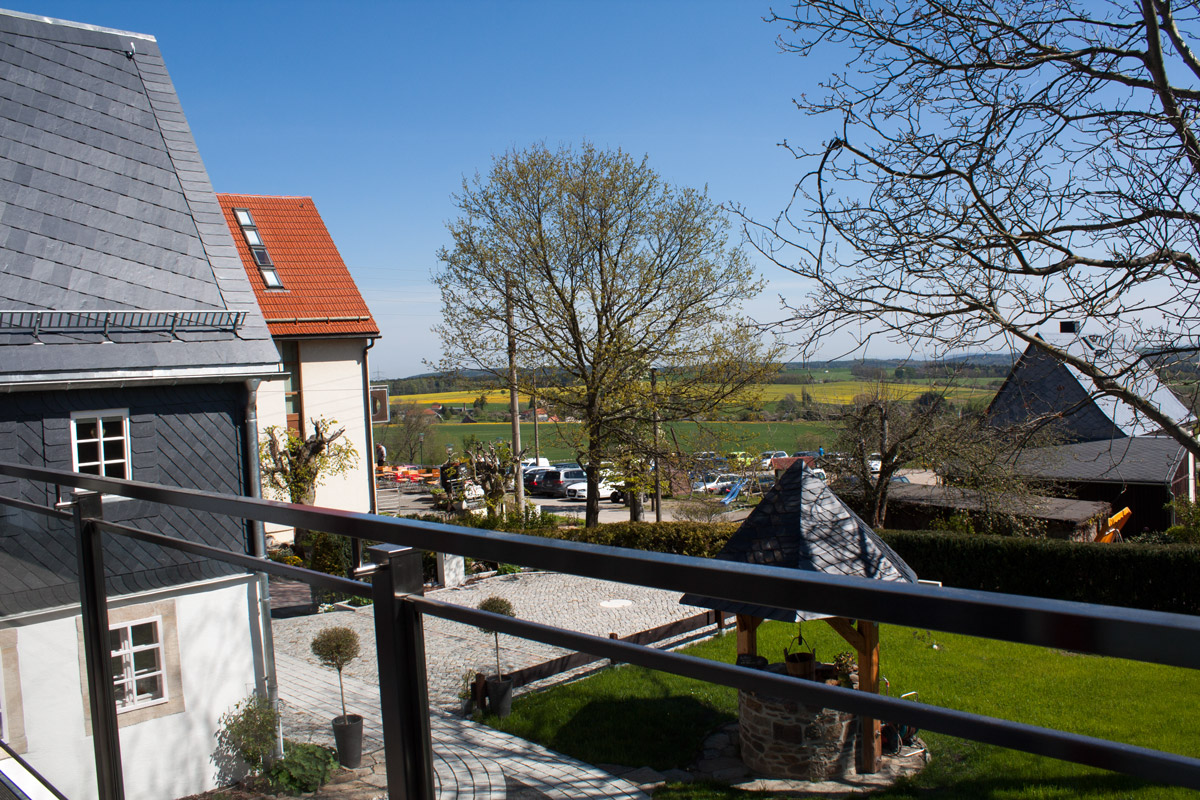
(139, 679)
(100, 443)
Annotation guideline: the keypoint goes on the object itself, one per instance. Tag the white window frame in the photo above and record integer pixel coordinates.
(98, 417)
(129, 676)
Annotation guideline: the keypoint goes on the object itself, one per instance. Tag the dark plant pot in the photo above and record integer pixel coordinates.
(499, 693)
(347, 735)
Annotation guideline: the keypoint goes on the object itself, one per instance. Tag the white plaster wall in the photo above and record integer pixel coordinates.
(332, 385)
(162, 758)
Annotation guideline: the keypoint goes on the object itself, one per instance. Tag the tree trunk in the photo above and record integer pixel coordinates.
(637, 507)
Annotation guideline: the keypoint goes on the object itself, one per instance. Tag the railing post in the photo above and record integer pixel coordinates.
(403, 693)
(93, 603)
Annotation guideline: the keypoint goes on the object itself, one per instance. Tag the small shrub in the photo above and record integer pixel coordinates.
(329, 553)
(250, 730)
(497, 605)
(699, 509)
(303, 768)
(336, 647)
(507, 569)
(1186, 529)
(285, 555)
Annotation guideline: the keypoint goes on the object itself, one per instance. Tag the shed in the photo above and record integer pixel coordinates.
(801, 524)
(916, 507)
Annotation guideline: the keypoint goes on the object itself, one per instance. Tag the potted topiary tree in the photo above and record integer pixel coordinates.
(499, 688)
(336, 647)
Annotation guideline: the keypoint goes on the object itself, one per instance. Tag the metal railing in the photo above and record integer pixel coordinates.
(395, 587)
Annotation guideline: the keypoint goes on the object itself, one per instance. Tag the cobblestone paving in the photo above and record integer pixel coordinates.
(470, 760)
(452, 648)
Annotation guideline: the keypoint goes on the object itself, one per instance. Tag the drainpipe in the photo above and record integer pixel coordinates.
(258, 549)
(356, 544)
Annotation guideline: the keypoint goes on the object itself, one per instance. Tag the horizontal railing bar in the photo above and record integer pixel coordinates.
(29, 768)
(1141, 762)
(1135, 634)
(36, 508)
(321, 580)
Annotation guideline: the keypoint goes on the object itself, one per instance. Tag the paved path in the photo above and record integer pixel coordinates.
(470, 760)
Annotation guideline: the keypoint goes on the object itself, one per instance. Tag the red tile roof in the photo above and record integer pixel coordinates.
(318, 298)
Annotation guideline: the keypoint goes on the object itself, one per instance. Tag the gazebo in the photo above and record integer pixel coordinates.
(802, 524)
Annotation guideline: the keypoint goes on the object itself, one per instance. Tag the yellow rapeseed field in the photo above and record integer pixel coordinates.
(834, 392)
(844, 392)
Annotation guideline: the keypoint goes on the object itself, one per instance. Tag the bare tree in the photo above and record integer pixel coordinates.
(606, 271)
(406, 433)
(931, 433)
(997, 165)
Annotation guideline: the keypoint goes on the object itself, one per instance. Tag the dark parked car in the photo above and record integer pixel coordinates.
(555, 482)
(533, 475)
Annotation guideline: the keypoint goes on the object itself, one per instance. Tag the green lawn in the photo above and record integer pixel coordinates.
(753, 437)
(637, 717)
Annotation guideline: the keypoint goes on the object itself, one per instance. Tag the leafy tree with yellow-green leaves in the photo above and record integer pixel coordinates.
(595, 269)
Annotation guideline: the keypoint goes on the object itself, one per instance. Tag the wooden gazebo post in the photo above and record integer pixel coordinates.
(747, 634)
(865, 640)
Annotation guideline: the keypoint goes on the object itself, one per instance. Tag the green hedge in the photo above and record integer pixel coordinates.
(701, 539)
(1155, 577)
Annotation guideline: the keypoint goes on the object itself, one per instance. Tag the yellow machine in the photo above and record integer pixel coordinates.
(1117, 521)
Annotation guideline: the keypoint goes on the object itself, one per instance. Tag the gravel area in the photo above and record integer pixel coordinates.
(566, 601)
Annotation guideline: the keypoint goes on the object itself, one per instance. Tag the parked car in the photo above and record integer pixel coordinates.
(874, 463)
(556, 481)
(806, 454)
(768, 456)
(579, 491)
(720, 483)
(739, 459)
(533, 475)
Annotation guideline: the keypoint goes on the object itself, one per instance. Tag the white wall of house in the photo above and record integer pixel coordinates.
(331, 387)
(165, 757)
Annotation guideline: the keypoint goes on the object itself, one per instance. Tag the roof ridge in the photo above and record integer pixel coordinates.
(70, 24)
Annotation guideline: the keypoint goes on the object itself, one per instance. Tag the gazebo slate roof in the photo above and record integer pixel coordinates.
(802, 524)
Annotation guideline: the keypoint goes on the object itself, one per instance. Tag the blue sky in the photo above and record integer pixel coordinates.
(378, 110)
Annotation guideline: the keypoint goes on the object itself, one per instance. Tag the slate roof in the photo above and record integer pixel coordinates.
(1132, 459)
(1057, 509)
(105, 206)
(319, 297)
(801, 524)
(1040, 384)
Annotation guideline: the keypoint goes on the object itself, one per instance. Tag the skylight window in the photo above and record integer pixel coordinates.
(257, 249)
(261, 257)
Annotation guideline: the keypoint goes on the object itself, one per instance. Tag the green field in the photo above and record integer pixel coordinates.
(554, 439)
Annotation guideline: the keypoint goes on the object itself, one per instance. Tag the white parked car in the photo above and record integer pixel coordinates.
(770, 455)
(720, 484)
(874, 463)
(578, 491)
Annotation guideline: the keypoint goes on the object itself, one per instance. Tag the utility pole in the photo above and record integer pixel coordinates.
(537, 453)
(657, 455)
(514, 403)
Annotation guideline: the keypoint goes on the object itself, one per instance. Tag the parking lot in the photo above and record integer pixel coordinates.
(609, 512)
